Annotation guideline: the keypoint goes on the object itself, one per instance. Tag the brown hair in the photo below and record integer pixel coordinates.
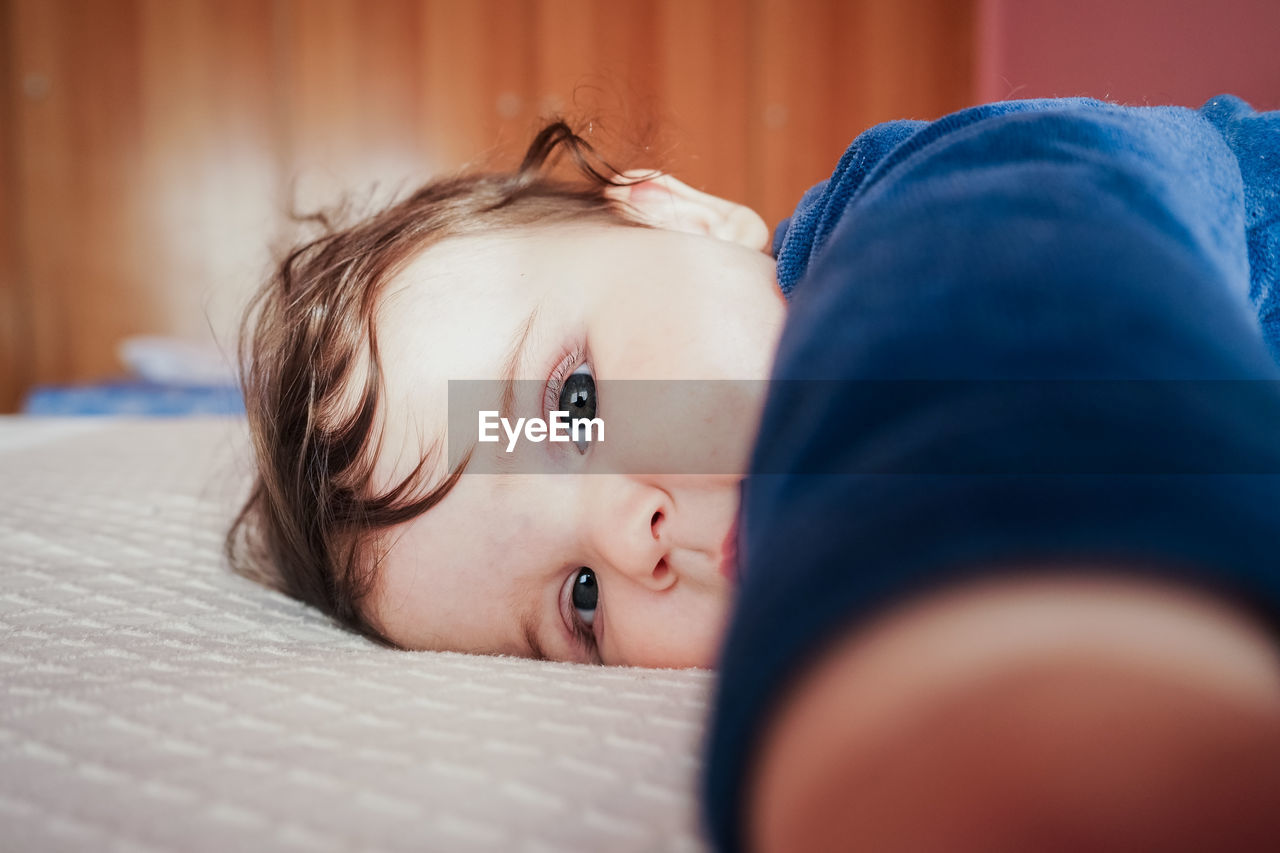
(311, 374)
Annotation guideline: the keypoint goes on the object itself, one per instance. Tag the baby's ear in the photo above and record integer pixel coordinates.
(662, 201)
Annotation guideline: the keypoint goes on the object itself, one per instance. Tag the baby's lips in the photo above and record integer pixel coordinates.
(729, 553)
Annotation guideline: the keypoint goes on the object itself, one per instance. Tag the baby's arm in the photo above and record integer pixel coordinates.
(1048, 250)
(1058, 713)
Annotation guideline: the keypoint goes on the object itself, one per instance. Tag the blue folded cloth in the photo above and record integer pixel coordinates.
(943, 271)
(133, 398)
(1218, 168)
(1255, 140)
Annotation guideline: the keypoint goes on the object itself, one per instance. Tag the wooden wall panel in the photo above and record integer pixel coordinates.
(704, 51)
(565, 35)
(595, 58)
(155, 145)
(476, 66)
(82, 240)
(208, 174)
(14, 337)
(917, 57)
(354, 95)
(799, 82)
(825, 70)
(146, 181)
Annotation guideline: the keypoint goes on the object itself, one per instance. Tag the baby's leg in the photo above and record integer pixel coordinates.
(1058, 713)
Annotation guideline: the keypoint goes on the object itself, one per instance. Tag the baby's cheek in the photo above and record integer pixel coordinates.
(675, 642)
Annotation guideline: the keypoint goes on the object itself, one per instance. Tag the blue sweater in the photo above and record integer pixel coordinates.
(1027, 332)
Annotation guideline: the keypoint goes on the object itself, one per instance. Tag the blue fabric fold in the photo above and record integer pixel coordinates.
(1052, 241)
(1254, 139)
(1231, 190)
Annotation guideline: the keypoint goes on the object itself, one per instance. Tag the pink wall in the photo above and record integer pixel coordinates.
(1131, 51)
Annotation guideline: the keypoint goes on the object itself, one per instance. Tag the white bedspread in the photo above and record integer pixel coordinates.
(151, 700)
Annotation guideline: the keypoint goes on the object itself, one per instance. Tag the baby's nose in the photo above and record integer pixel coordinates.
(631, 532)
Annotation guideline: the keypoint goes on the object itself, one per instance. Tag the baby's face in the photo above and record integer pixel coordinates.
(572, 564)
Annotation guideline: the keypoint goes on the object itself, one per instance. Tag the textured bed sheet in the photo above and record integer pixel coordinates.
(151, 700)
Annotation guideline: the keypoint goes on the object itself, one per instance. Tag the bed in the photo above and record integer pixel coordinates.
(152, 700)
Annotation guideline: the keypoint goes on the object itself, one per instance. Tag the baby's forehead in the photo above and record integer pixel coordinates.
(496, 262)
(447, 272)
(453, 312)
(448, 298)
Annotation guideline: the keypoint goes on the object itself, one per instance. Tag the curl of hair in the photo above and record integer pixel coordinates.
(311, 373)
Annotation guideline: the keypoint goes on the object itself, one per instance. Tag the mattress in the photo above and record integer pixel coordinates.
(152, 700)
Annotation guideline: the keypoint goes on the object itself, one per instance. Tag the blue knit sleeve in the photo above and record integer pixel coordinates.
(1025, 335)
(800, 237)
(1254, 139)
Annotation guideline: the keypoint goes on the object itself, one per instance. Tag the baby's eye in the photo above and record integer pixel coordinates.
(585, 595)
(578, 398)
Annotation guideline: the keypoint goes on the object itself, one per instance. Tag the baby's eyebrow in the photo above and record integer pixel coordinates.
(507, 400)
(509, 374)
(511, 369)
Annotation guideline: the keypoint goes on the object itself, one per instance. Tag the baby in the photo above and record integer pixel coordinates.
(560, 280)
(1027, 241)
